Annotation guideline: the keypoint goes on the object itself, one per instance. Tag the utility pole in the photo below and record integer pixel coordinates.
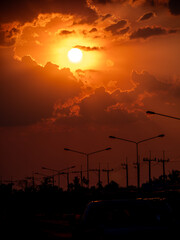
(98, 170)
(99, 175)
(81, 174)
(137, 152)
(108, 172)
(125, 167)
(67, 177)
(163, 161)
(137, 166)
(149, 160)
(95, 170)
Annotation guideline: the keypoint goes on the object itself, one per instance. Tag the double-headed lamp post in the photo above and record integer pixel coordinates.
(87, 157)
(137, 152)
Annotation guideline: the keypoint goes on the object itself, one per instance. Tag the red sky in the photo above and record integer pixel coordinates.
(130, 64)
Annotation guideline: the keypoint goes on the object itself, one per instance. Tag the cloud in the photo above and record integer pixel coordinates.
(174, 7)
(108, 1)
(99, 108)
(151, 93)
(123, 31)
(102, 1)
(93, 30)
(147, 32)
(147, 82)
(29, 91)
(28, 10)
(114, 28)
(8, 36)
(106, 16)
(85, 48)
(102, 108)
(146, 16)
(66, 32)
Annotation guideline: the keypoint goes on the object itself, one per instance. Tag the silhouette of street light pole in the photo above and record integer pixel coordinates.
(163, 115)
(87, 157)
(137, 152)
(59, 172)
(125, 167)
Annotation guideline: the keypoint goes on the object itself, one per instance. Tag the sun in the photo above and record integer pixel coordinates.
(75, 55)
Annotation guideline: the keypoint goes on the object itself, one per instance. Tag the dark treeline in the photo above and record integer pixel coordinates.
(48, 199)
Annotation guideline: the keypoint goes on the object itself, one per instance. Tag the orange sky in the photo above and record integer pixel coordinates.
(130, 64)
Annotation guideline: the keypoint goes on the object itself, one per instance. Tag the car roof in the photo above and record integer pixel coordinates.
(121, 201)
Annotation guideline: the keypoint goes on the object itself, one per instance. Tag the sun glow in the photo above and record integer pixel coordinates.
(75, 55)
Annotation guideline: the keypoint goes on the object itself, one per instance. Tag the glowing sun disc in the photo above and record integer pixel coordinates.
(75, 55)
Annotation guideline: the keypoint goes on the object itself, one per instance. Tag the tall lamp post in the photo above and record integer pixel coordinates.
(137, 152)
(163, 115)
(87, 157)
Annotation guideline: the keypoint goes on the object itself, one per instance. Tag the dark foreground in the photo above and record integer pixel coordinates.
(37, 227)
(53, 216)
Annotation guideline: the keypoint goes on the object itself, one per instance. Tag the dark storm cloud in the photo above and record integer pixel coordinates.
(28, 10)
(146, 16)
(174, 7)
(114, 28)
(149, 32)
(28, 92)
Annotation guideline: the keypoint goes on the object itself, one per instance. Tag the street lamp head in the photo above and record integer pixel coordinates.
(112, 137)
(150, 112)
(66, 149)
(109, 148)
(161, 135)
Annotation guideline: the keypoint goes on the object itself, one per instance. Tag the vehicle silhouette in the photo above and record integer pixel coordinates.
(116, 219)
